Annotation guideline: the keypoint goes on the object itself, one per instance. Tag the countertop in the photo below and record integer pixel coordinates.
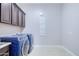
(4, 44)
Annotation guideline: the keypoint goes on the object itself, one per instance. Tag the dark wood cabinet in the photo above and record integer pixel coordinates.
(12, 14)
(6, 13)
(21, 19)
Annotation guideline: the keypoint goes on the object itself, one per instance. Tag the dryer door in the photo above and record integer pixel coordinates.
(25, 48)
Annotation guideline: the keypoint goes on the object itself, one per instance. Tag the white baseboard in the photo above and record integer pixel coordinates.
(47, 45)
(70, 52)
(58, 46)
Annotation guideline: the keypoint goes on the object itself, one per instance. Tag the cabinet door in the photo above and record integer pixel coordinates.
(20, 18)
(14, 14)
(6, 13)
(23, 20)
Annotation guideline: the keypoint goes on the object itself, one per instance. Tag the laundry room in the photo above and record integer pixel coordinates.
(39, 29)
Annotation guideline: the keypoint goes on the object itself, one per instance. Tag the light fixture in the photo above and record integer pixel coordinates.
(41, 14)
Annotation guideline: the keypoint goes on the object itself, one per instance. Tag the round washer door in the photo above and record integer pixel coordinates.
(25, 48)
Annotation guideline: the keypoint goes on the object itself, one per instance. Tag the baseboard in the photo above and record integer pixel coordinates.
(58, 46)
(70, 52)
(47, 45)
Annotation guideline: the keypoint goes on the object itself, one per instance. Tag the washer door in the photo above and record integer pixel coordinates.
(25, 48)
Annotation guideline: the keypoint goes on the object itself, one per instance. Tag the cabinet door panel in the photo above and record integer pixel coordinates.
(6, 13)
(14, 15)
(23, 20)
(20, 18)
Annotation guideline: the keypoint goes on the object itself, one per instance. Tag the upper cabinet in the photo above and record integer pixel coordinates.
(12, 14)
(6, 13)
(21, 19)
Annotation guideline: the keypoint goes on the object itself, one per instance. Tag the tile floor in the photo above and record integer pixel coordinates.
(49, 51)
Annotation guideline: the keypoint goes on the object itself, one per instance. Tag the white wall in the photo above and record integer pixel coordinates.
(52, 15)
(70, 27)
(6, 29)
